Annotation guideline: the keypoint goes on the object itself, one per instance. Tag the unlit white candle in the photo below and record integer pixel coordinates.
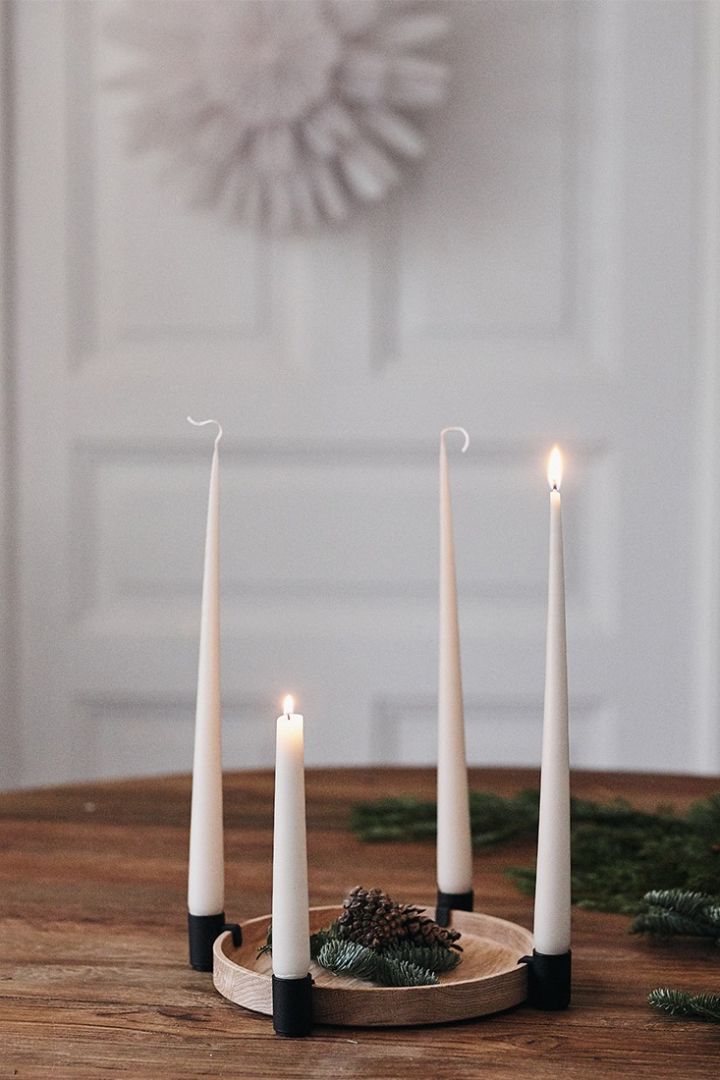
(454, 842)
(290, 921)
(206, 872)
(552, 889)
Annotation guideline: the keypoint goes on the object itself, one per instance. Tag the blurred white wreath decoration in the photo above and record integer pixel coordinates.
(284, 112)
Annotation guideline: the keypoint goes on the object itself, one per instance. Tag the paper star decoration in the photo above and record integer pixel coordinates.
(282, 112)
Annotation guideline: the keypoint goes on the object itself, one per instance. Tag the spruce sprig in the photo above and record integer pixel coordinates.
(403, 973)
(618, 852)
(670, 912)
(493, 819)
(681, 1003)
(321, 937)
(352, 959)
(403, 962)
(435, 958)
(348, 958)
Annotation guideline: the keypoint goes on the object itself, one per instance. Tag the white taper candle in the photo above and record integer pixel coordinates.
(290, 920)
(206, 872)
(552, 889)
(454, 842)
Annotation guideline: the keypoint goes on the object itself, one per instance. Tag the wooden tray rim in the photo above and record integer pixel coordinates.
(343, 1004)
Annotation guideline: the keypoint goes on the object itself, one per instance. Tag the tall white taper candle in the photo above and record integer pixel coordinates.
(454, 843)
(290, 921)
(206, 873)
(552, 888)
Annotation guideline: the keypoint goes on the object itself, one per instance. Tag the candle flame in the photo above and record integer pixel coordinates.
(288, 705)
(555, 468)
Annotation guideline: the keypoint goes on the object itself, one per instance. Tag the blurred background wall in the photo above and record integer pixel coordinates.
(547, 272)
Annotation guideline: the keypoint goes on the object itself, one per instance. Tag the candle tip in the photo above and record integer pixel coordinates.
(462, 431)
(202, 423)
(555, 468)
(288, 705)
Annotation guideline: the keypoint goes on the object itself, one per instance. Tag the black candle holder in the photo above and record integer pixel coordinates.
(549, 980)
(292, 1006)
(203, 930)
(449, 901)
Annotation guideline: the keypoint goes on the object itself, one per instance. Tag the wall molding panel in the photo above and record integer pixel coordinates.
(562, 317)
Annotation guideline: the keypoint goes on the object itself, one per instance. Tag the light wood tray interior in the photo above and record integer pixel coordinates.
(488, 979)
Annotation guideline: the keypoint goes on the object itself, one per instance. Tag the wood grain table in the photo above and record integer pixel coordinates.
(94, 979)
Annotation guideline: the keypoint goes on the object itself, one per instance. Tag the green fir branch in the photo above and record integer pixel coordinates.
(403, 973)
(405, 818)
(435, 958)
(266, 949)
(680, 1003)
(672, 912)
(694, 905)
(402, 964)
(619, 853)
(667, 924)
(493, 819)
(706, 1006)
(349, 958)
(321, 937)
(704, 816)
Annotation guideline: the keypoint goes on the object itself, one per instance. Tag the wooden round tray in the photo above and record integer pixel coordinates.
(488, 979)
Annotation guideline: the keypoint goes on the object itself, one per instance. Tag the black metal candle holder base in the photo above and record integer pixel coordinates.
(447, 902)
(292, 1006)
(549, 980)
(203, 930)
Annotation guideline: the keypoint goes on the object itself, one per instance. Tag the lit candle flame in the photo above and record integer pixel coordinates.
(554, 473)
(288, 705)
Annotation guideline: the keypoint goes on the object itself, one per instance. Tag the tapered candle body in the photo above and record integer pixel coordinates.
(290, 921)
(552, 888)
(454, 843)
(206, 874)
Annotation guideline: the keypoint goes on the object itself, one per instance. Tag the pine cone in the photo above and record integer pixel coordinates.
(374, 920)
(370, 918)
(422, 930)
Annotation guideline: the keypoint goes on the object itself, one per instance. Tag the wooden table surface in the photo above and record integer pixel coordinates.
(94, 980)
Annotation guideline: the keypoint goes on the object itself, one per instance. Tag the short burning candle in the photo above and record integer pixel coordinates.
(290, 924)
(290, 919)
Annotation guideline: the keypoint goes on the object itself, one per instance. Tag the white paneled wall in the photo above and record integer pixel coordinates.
(537, 278)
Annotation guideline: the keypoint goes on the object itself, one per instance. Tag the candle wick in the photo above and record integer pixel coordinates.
(202, 423)
(462, 431)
